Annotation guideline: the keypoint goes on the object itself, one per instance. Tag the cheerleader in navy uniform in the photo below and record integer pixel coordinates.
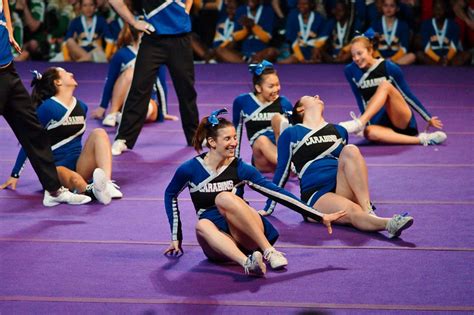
(306, 32)
(228, 228)
(64, 118)
(253, 31)
(333, 175)
(85, 36)
(261, 111)
(119, 79)
(440, 40)
(394, 35)
(385, 100)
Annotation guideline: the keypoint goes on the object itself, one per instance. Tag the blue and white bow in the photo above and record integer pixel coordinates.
(212, 119)
(257, 68)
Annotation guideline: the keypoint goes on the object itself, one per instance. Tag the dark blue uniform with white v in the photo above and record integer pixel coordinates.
(256, 116)
(204, 185)
(314, 154)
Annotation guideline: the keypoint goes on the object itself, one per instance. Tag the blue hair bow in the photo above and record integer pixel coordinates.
(257, 68)
(212, 119)
(369, 33)
(36, 74)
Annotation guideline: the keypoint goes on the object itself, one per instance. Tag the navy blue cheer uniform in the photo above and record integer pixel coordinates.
(364, 84)
(314, 154)
(204, 185)
(65, 127)
(256, 116)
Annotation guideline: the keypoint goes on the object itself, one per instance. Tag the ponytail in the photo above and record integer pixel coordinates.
(208, 128)
(43, 85)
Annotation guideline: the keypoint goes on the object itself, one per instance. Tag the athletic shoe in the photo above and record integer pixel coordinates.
(118, 147)
(432, 138)
(354, 125)
(254, 264)
(113, 189)
(110, 120)
(276, 259)
(397, 224)
(99, 189)
(63, 195)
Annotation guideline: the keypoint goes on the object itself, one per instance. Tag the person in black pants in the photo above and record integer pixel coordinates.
(166, 41)
(18, 110)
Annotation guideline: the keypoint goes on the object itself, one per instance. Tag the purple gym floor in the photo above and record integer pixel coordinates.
(108, 259)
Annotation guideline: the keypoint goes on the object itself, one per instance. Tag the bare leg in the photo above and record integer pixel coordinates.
(228, 55)
(95, 153)
(71, 180)
(245, 224)
(276, 125)
(358, 218)
(352, 177)
(217, 245)
(264, 154)
(269, 54)
(407, 59)
(397, 109)
(120, 91)
(387, 135)
(76, 52)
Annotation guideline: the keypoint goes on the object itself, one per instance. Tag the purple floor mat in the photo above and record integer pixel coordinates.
(107, 259)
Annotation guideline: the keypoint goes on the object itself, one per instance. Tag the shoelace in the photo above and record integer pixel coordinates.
(268, 254)
(114, 184)
(353, 115)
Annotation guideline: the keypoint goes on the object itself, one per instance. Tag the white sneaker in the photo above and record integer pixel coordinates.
(432, 138)
(254, 264)
(113, 189)
(397, 224)
(110, 120)
(276, 259)
(354, 125)
(63, 195)
(118, 147)
(99, 187)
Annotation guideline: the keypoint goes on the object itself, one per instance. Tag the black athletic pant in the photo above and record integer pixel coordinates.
(16, 107)
(176, 53)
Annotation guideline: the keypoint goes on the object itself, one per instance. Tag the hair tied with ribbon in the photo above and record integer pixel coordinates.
(257, 68)
(36, 76)
(369, 33)
(213, 119)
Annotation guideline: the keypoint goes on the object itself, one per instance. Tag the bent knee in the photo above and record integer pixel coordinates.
(202, 226)
(223, 199)
(350, 151)
(371, 134)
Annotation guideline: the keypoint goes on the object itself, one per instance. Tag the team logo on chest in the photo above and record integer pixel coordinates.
(263, 117)
(217, 187)
(321, 139)
(74, 120)
(369, 83)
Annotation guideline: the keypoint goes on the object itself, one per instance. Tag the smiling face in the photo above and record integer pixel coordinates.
(361, 52)
(225, 142)
(268, 89)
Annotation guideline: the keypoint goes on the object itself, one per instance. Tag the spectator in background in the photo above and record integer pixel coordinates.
(394, 35)
(440, 40)
(337, 48)
(306, 31)
(86, 34)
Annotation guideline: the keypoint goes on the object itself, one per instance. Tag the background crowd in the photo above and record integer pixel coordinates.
(285, 31)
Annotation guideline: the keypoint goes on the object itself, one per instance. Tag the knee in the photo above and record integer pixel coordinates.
(276, 119)
(201, 227)
(385, 86)
(99, 133)
(224, 199)
(371, 134)
(350, 152)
